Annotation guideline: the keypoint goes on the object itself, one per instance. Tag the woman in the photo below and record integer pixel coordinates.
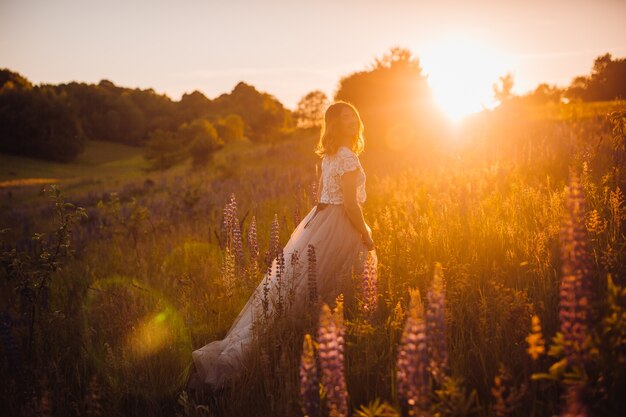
(335, 228)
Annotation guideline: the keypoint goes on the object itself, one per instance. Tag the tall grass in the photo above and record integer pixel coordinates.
(157, 271)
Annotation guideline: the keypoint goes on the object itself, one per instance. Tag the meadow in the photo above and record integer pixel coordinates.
(500, 288)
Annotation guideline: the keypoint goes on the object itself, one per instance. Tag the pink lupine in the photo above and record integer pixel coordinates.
(369, 290)
(575, 288)
(412, 361)
(312, 275)
(330, 340)
(253, 245)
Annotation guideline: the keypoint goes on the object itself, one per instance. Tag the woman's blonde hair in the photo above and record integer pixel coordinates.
(330, 136)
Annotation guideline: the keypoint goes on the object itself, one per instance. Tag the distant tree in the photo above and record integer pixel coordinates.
(107, 112)
(38, 122)
(395, 103)
(396, 57)
(193, 106)
(265, 117)
(545, 93)
(201, 140)
(230, 128)
(16, 80)
(310, 110)
(502, 90)
(606, 82)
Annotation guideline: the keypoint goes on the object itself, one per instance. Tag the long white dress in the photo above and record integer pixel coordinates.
(339, 251)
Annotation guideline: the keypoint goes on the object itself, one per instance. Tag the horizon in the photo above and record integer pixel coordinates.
(127, 45)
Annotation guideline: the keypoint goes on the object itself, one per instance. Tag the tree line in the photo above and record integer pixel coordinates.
(607, 81)
(392, 94)
(54, 121)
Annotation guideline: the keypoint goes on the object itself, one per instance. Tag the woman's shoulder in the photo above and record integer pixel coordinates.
(345, 151)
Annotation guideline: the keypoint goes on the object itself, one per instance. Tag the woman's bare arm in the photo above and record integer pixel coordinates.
(353, 209)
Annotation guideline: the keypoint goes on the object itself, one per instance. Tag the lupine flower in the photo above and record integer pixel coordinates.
(228, 272)
(397, 319)
(330, 340)
(536, 344)
(266, 291)
(293, 261)
(338, 317)
(280, 277)
(436, 333)
(253, 245)
(369, 287)
(274, 235)
(227, 222)
(309, 382)
(237, 245)
(412, 361)
(312, 275)
(575, 288)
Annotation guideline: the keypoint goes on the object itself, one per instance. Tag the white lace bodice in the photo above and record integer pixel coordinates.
(333, 167)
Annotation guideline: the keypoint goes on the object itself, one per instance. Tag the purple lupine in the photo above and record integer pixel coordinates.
(309, 381)
(280, 278)
(369, 287)
(266, 290)
(253, 248)
(412, 360)
(253, 245)
(274, 242)
(227, 224)
(312, 275)
(575, 287)
(294, 260)
(330, 340)
(436, 332)
(238, 245)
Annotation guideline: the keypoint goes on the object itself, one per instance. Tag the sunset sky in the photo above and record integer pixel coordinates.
(288, 48)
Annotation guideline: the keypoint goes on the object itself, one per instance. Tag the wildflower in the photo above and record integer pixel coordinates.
(228, 272)
(309, 383)
(280, 276)
(253, 245)
(311, 276)
(330, 340)
(412, 360)
(237, 244)
(536, 344)
(368, 286)
(574, 293)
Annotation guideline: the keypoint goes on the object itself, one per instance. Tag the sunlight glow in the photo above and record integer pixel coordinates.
(461, 73)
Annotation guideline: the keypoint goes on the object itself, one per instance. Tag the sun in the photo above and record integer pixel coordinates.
(461, 73)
